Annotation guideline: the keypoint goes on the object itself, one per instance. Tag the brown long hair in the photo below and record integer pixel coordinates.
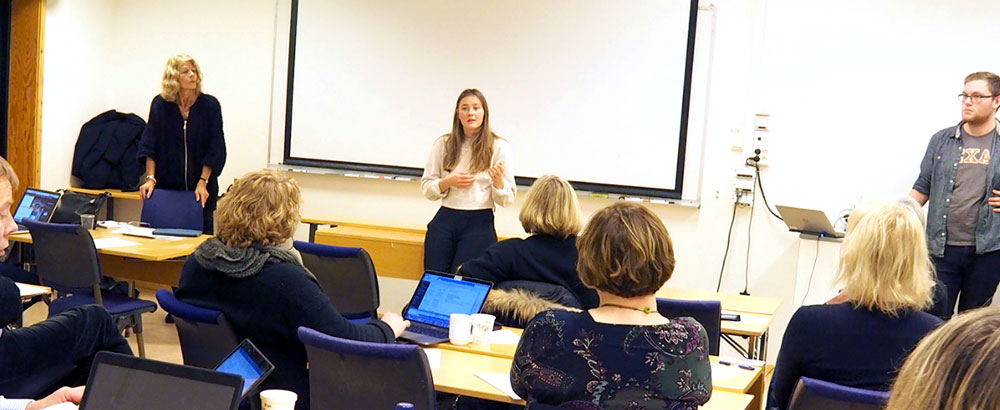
(482, 142)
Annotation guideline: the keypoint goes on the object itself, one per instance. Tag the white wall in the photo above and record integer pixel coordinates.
(768, 55)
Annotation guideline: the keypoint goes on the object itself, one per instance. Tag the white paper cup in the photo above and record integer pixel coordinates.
(460, 329)
(276, 399)
(482, 326)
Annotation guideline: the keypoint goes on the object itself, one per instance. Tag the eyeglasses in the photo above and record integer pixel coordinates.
(976, 99)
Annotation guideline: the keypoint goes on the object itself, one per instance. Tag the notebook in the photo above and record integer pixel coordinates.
(36, 205)
(437, 296)
(808, 221)
(249, 363)
(124, 382)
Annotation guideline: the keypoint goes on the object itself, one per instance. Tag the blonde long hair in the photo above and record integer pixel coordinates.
(171, 85)
(954, 367)
(884, 263)
(482, 142)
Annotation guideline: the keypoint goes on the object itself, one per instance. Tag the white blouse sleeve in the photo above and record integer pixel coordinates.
(503, 153)
(433, 172)
(13, 404)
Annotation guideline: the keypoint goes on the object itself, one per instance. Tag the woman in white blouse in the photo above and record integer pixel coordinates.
(469, 169)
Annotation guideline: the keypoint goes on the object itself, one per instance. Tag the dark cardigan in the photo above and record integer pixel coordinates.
(539, 258)
(163, 140)
(850, 346)
(268, 308)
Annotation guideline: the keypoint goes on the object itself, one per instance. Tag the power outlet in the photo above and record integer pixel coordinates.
(761, 138)
(743, 185)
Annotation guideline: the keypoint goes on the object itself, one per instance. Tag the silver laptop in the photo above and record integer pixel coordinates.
(437, 296)
(808, 221)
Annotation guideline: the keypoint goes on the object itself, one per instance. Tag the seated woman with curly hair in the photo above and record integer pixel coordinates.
(623, 353)
(249, 273)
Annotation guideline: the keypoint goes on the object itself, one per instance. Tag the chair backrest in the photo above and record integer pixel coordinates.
(816, 394)
(707, 312)
(173, 209)
(206, 336)
(347, 276)
(66, 257)
(363, 375)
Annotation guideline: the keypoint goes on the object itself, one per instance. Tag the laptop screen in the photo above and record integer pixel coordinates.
(127, 383)
(241, 363)
(36, 205)
(438, 296)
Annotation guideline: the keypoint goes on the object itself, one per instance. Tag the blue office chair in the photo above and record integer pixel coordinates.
(363, 375)
(347, 276)
(707, 312)
(206, 336)
(173, 209)
(67, 261)
(813, 394)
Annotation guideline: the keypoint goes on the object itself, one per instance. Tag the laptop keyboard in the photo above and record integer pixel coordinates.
(428, 331)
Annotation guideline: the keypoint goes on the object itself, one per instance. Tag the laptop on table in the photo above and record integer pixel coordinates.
(36, 205)
(437, 296)
(808, 221)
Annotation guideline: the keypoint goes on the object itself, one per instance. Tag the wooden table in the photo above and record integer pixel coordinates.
(113, 194)
(29, 291)
(456, 375)
(757, 313)
(133, 262)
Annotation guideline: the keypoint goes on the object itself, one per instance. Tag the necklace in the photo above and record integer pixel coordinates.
(645, 310)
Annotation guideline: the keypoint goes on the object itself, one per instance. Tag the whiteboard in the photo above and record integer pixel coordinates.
(593, 91)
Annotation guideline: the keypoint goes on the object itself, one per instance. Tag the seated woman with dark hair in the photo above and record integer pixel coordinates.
(623, 353)
(250, 274)
(539, 272)
(888, 280)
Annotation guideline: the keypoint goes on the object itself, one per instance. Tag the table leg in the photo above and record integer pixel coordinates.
(312, 232)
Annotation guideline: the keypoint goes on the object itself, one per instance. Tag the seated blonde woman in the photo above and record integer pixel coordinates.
(539, 272)
(623, 353)
(249, 274)
(887, 280)
(953, 368)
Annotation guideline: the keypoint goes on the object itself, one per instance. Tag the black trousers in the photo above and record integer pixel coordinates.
(455, 236)
(970, 278)
(38, 359)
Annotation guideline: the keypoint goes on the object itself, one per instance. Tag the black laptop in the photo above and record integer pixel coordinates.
(122, 382)
(36, 205)
(438, 295)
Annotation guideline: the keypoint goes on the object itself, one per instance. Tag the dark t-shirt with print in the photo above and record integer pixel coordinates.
(970, 188)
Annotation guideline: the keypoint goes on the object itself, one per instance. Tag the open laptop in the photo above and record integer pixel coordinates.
(35, 205)
(808, 221)
(124, 382)
(437, 296)
(249, 363)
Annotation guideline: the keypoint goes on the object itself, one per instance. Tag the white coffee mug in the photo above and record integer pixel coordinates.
(276, 399)
(482, 326)
(460, 329)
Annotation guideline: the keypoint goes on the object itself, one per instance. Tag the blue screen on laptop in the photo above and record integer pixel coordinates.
(36, 206)
(437, 297)
(240, 363)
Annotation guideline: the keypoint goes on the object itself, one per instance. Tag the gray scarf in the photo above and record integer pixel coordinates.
(241, 263)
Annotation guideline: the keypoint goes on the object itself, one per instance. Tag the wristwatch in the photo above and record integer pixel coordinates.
(151, 178)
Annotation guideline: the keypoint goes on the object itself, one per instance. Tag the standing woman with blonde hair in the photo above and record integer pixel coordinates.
(183, 146)
(469, 170)
(888, 280)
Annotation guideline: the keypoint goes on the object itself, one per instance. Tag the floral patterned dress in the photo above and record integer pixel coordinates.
(566, 358)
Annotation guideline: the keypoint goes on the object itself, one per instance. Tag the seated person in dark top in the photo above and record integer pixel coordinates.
(37, 359)
(534, 266)
(621, 354)
(887, 281)
(249, 273)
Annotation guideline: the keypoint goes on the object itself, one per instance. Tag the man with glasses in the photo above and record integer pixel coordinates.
(961, 183)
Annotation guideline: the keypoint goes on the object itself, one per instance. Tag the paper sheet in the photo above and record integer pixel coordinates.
(501, 381)
(113, 242)
(433, 358)
(721, 371)
(504, 337)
